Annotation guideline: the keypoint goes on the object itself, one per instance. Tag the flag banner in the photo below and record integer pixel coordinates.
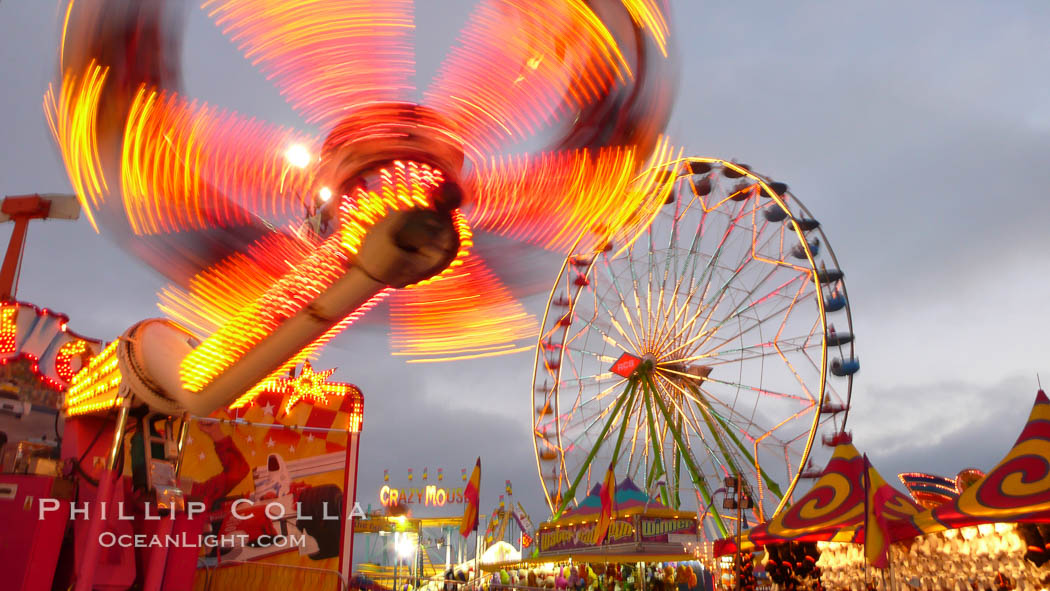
(472, 495)
(608, 498)
(876, 529)
(524, 522)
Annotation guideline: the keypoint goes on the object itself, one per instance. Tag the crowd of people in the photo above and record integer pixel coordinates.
(576, 577)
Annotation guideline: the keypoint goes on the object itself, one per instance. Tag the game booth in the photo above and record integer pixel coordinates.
(647, 545)
(102, 493)
(991, 531)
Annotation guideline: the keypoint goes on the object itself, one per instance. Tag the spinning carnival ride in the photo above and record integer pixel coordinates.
(717, 344)
(397, 195)
(276, 240)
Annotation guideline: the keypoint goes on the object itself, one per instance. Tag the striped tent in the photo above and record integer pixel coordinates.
(630, 500)
(833, 510)
(1016, 490)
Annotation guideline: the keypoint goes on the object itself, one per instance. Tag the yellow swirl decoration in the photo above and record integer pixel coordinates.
(836, 498)
(1017, 489)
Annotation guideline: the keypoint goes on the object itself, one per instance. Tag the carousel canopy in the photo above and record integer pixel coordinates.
(1016, 490)
(630, 500)
(643, 529)
(833, 510)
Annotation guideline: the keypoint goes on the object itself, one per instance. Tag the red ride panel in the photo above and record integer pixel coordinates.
(626, 365)
(30, 545)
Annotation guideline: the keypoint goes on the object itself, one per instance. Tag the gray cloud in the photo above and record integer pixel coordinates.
(942, 427)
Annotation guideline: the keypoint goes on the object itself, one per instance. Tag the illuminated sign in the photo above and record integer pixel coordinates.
(582, 536)
(39, 336)
(633, 529)
(625, 365)
(430, 496)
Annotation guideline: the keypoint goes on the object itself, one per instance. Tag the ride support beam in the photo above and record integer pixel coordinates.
(571, 492)
(698, 478)
(19, 209)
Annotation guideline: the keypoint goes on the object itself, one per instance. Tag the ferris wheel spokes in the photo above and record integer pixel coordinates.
(718, 301)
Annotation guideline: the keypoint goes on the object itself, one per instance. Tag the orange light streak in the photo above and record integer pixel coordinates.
(71, 117)
(551, 199)
(403, 185)
(520, 64)
(217, 294)
(287, 296)
(245, 298)
(188, 166)
(325, 55)
(311, 350)
(467, 312)
(648, 15)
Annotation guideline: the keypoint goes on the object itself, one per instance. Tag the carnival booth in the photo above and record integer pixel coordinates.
(647, 546)
(835, 509)
(993, 533)
(642, 530)
(38, 357)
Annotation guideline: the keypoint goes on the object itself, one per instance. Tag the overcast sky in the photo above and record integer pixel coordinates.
(917, 133)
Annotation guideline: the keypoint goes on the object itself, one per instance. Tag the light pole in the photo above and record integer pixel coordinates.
(737, 498)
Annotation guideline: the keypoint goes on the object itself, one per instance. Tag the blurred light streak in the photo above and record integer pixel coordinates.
(521, 63)
(551, 199)
(71, 116)
(285, 297)
(648, 15)
(463, 314)
(216, 295)
(325, 55)
(402, 185)
(188, 166)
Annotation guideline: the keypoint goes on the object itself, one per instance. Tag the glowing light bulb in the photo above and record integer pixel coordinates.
(298, 156)
(325, 194)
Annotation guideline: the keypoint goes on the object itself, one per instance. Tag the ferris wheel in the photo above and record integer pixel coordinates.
(718, 343)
